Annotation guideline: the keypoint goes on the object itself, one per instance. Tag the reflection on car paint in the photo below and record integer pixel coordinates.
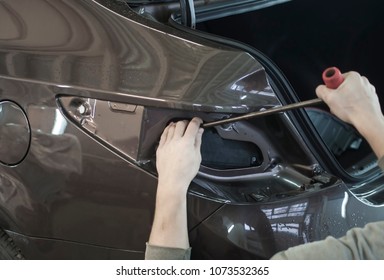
(98, 83)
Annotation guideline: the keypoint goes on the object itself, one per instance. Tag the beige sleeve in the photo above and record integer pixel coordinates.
(358, 243)
(166, 253)
(381, 163)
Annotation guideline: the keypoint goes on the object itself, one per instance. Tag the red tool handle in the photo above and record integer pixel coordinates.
(332, 77)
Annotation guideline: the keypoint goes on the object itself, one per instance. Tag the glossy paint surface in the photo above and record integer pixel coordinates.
(82, 191)
(69, 187)
(248, 231)
(63, 188)
(81, 43)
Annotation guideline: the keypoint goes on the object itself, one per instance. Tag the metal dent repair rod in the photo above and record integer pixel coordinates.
(332, 78)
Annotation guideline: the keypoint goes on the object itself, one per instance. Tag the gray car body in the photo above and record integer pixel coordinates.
(88, 86)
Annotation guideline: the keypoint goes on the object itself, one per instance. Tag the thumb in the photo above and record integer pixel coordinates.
(320, 91)
(323, 93)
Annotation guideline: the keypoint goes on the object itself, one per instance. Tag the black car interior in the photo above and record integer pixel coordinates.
(303, 51)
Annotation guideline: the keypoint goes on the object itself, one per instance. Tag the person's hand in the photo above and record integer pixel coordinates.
(178, 156)
(355, 101)
(178, 161)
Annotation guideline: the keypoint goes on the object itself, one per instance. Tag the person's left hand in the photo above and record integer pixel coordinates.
(178, 161)
(178, 156)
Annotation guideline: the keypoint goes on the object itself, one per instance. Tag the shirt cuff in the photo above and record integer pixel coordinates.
(153, 252)
(381, 163)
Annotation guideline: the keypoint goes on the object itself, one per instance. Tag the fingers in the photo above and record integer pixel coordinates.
(167, 134)
(193, 128)
(320, 91)
(198, 138)
(368, 85)
(323, 93)
(164, 136)
(180, 129)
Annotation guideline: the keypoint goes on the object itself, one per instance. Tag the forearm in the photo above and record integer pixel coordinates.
(170, 222)
(178, 160)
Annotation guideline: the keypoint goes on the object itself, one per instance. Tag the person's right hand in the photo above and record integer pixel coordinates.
(355, 101)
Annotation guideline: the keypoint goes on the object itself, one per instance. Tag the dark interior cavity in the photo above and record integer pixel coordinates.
(303, 38)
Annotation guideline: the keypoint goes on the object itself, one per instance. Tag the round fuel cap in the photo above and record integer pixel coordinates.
(15, 133)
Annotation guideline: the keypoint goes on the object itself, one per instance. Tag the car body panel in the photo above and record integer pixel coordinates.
(58, 191)
(97, 84)
(245, 230)
(94, 48)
